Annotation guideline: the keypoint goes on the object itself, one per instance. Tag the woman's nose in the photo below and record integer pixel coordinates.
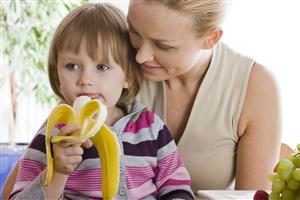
(144, 54)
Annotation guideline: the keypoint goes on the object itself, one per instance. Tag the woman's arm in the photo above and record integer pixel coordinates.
(11, 178)
(10, 181)
(259, 131)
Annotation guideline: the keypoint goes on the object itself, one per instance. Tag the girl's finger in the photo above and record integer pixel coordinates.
(87, 144)
(69, 129)
(65, 144)
(73, 160)
(73, 151)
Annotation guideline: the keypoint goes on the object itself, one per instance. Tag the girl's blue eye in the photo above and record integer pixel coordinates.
(102, 67)
(72, 66)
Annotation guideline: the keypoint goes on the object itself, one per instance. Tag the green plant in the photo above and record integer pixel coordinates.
(26, 31)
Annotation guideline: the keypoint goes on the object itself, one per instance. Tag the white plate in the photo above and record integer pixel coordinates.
(225, 194)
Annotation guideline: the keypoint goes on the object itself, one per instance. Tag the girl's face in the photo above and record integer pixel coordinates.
(80, 75)
(164, 39)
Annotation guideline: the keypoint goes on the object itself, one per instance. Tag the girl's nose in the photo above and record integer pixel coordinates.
(85, 79)
(144, 54)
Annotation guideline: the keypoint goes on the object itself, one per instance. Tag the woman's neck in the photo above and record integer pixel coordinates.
(193, 76)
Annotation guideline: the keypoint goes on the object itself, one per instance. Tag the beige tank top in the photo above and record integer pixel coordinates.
(209, 142)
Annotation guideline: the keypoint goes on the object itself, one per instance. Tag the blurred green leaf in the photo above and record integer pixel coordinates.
(26, 31)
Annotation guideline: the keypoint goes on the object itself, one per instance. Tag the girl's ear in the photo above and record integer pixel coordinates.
(212, 38)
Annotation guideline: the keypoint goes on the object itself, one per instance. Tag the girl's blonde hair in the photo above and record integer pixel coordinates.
(207, 14)
(104, 29)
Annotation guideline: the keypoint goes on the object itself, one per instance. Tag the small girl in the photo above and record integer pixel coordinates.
(90, 55)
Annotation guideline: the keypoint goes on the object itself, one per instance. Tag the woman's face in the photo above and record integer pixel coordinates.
(164, 39)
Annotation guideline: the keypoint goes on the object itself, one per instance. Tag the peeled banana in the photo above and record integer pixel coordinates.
(83, 112)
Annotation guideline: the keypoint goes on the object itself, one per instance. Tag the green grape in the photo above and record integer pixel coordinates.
(287, 194)
(291, 158)
(274, 176)
(274, 196)
(286, 175)
(286, 179)
(278, 185)
(297, 160)
(285, 164)
(296, 174)
(293, 184)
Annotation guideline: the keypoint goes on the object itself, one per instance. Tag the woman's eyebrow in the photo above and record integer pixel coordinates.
(153, 39)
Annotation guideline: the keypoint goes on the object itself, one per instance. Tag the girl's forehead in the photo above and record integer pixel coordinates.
(95, 48)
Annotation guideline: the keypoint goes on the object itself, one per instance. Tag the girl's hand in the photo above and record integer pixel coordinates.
(87, 144)
(67, 155)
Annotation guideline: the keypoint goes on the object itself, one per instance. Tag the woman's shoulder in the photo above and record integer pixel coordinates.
(262, 96)
(262, 85)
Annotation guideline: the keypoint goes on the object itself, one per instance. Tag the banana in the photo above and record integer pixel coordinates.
(105, 141)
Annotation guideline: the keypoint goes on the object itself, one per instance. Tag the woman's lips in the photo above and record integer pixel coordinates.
(149, 68)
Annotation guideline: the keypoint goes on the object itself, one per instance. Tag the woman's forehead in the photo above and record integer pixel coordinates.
(158, 21)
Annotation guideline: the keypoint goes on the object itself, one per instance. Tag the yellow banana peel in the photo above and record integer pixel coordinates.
(83, 112)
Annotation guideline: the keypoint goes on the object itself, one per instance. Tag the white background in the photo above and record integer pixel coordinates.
(269, 32)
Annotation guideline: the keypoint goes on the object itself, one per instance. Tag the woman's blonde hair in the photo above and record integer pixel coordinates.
(104, 29)
(207, 14)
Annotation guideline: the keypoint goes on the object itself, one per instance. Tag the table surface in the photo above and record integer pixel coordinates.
(224, 194)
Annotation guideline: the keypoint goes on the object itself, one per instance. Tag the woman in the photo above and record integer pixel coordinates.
(221, 107)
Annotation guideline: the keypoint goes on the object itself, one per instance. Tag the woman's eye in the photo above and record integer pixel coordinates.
(163, 46)
(133, 32)
(72, 66)
(102, 67)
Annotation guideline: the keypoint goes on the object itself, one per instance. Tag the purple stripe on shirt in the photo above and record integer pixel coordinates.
(164, 137)
(149, 147)
(38, 143)
(90, 153)
(145, 148)
(144, 121)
